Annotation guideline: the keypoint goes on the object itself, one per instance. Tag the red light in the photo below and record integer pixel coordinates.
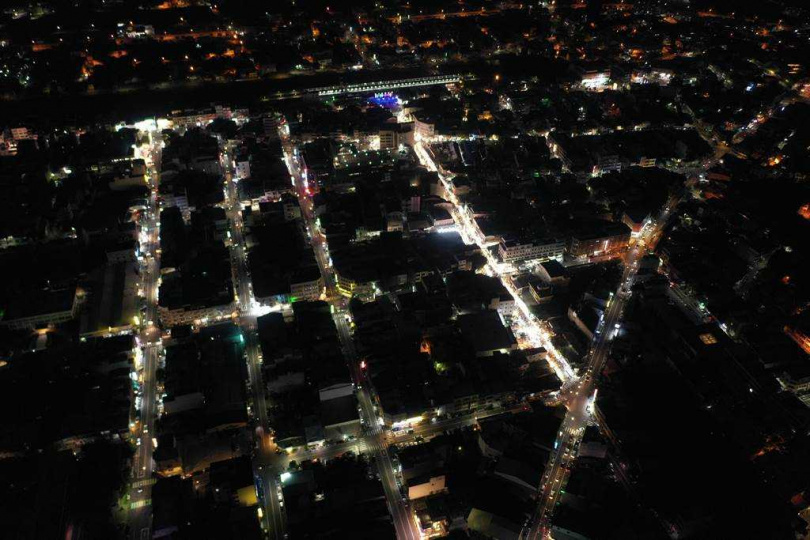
(362, 364)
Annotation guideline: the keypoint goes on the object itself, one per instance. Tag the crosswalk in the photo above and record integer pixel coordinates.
(141, 504)
(143, 483)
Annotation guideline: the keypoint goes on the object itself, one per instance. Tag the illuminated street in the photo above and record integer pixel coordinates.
(151, 345)
(414, 270)
(404, 519)
(274, 513)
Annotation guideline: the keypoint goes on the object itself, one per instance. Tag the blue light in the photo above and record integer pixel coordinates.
(386, 100)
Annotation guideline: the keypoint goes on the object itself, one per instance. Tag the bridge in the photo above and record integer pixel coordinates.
(393, 84)
(376, 86)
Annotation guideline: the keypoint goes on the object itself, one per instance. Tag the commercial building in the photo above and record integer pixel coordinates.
(606, 164)
(197, 297)
(518, 473)
(393, 135)
(123, 251)
(195, 315)
(602, 239)
(306, 284)
(189, 118)
(489, 525)
(596, 80)
(514, 251)
(586, 318)
(355, 286)
(205, 164)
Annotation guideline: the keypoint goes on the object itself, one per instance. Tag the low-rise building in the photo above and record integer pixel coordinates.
(486, 333)
(489, 525)
(553, 272)
(123, 251)
(43, 309)
(586, 317)
(426, 485)
(636, 220)
(795, 378)
(518, 473)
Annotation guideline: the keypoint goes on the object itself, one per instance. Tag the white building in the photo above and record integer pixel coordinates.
(242, 169)
(425, 130)
(514, 251)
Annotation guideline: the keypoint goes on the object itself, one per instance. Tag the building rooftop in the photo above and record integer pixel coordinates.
(485, 332)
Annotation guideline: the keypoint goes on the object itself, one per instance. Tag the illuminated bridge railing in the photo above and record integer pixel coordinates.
(388, 85)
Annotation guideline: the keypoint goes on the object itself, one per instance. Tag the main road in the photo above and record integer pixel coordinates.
(140, 517)
(401, 438)
(526, 323)
(581, 399)
(578, 389)
(581, 408)
(579, 412)
(272, 515)
(375, 440)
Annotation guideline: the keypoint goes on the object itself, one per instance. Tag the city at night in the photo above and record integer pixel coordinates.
(405, 269)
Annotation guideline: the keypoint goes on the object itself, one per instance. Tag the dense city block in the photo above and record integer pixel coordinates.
(405, 269)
